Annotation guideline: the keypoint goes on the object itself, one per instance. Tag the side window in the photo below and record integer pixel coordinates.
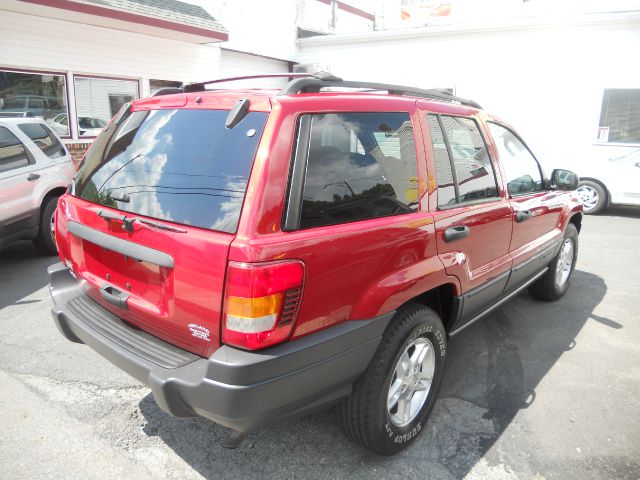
(470, 175)
(360, 166)
(444, 172)
(12, 152)
(44, 139)
(521, 168)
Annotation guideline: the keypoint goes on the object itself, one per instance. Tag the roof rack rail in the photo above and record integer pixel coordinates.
(199, 86)
(314, 83)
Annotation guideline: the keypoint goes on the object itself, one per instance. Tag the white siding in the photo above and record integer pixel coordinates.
(43, 43)
(236, 64)
(547, 80)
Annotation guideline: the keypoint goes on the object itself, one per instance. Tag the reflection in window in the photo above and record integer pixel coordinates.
(12, 153)
(177, 165)
(360, 166)
(99, 99)
(43, 138)
(444, 172)
(521, 168)
(34, 95)
(473, 169)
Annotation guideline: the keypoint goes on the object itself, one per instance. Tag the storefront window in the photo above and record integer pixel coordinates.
(99, 99)
(34, 95)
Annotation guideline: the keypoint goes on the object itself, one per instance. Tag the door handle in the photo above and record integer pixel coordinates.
(523, 215)
(114, 296)
(33, 176)
(456, 233)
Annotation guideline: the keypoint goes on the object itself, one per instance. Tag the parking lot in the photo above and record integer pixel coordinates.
(534, 390)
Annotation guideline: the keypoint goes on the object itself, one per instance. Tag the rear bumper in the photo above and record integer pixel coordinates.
(235, 388)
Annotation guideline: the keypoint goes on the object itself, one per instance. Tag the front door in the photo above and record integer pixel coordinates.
(536, 211)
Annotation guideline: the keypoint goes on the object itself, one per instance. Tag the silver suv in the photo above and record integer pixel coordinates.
(35, 169)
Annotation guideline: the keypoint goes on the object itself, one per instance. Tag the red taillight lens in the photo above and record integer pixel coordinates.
(261, 303)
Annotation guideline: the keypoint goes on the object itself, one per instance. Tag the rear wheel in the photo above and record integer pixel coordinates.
(555, 282)
(592, 195)
(45, 242)
(391, 402)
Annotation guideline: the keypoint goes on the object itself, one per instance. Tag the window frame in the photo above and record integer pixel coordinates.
(543, 182)
(30, 158)
(454, 174)
(292, 208)
(76, 122)
(57, 73)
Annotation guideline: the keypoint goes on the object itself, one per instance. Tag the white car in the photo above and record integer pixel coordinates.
(89, 127)
(35, 169)
(616, 181)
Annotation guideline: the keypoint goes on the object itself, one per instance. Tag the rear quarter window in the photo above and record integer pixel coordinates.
(360, 166)
(44, 139)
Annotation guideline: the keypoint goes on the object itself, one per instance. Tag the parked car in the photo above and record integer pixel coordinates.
(256, 255)
(616, 181)
(89, 127)
(30, 106)
(35, 169)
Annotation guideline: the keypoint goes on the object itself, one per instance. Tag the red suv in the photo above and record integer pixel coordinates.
(255, 255)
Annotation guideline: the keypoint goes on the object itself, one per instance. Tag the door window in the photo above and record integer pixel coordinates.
(12, 152)
(469, 176)
(44, 139)
(521, 168)
(360, 166)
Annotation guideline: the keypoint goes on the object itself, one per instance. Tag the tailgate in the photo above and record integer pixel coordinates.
(151, 214)
(167, 283)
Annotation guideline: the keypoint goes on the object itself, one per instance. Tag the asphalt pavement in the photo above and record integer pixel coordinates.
(534, 390)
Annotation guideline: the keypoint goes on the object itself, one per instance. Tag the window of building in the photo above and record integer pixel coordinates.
(360, 166)
(472, 173)
(520, 166)
(25, 94)
(12, 152)
(620, 116)
(44, 139)
(98, 100)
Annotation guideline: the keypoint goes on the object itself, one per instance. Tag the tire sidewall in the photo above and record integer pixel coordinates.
(571, 233)
(396, 438)
(46, 243)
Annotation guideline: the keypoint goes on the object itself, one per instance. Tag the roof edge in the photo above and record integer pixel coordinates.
(130, 17)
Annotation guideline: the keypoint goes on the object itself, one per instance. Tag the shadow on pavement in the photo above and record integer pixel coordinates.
(621, 211)
(22, 271)
(493, 369)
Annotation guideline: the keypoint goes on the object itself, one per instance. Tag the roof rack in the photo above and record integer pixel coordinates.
(199, 86)
(314, 82)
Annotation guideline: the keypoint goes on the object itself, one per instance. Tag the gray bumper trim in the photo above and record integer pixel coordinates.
(235, 388)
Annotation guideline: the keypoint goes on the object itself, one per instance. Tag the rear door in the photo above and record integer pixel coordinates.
(17, 185)
(536, 211)
(472, 216)
(152, 214)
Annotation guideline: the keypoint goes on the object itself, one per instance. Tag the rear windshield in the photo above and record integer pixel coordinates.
(182, 166)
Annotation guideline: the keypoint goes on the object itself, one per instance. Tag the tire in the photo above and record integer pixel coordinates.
(555, 282)
(593, 196)
(45, 242)
(365, 416)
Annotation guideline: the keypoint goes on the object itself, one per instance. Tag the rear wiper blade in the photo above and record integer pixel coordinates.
(127, 222)
(124, 198)
(160, 226)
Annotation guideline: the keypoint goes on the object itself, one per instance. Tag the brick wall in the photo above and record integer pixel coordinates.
(77, 150)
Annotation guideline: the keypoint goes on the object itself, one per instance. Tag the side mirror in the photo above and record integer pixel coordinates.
(563, 180)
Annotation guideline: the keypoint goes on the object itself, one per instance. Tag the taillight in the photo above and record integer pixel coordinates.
(261, 303)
